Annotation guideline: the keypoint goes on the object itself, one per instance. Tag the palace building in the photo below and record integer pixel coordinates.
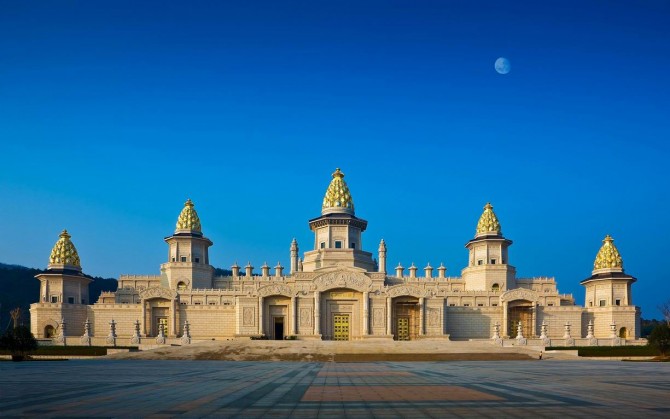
(336, 291)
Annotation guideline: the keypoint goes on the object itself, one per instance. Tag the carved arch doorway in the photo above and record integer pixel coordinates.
(406, 318)
(521, 311)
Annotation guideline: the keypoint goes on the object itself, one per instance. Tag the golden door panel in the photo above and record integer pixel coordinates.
(340, 327)
(403, 328)
(523, 315)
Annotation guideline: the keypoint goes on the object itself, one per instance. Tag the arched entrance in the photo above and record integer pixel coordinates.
(623, 333)
(341, 317)
(49, 331)
(406, 318)
(277, 324)
(158, 313)
(520, 311)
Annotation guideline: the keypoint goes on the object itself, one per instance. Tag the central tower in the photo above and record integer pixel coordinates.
(338, 232)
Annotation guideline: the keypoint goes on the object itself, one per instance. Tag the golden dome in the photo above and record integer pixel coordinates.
(64, 252)
(338, 196)
(188, 219)
(608, 256)
(488, 222)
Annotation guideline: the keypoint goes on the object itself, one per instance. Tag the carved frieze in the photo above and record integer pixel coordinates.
(158, 292)
(343, 279)
(412, 290)
(519, 294)
(276, 289)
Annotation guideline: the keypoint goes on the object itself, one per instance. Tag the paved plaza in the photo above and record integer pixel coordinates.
(111, 388)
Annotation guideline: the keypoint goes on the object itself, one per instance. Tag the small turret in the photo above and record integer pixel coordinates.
(382, 256)
(188, 261)
(63, 288)
(488, 264)
(608, 294)
(294, 256)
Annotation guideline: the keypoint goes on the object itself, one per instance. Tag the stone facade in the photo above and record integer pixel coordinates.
(338, 291)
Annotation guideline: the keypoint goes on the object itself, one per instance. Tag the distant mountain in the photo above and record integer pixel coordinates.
(20, 288)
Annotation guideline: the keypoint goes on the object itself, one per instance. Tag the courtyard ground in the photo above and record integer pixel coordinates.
(154, 388)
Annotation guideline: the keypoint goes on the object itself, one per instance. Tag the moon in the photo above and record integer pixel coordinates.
(503, 65)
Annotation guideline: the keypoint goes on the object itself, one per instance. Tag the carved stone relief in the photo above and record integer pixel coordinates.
(378, 317)
(433, 317)
(306, 317)
(412, 290)
(248, 316)
(275, 289)
(343, 279)
(519, 294)
(158, 292)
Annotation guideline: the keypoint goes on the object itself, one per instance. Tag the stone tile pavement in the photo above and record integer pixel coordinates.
(162, 389)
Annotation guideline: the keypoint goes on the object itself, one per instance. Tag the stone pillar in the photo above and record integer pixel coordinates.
(238, 316)
(389, 317)
(366, 313)
(422, 316)
(144, 317)
(294, 315)
(505, 330)
(260, 315)
(533, 321)
(173, 323)
(317, 313)
(398, 271)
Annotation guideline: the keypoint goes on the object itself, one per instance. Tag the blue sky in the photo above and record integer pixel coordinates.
(113, 113)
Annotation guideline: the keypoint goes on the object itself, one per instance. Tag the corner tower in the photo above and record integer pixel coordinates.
(488, 262)
(63, 292)
(608, 294)
(188, 256)
(338, 232)
(608, 285)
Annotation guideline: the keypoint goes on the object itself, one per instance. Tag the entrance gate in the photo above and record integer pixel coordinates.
(403, 328)
(340, 327)
(525, 316)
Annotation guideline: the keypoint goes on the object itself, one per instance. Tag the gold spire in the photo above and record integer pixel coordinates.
(337, 194)
(64, 252)
(608, 256)
(188, 219)
(488, 222)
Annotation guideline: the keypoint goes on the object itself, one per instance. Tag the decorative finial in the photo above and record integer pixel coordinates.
(188, 218)
(608, 256)
(488, 222)
(64, 252)
(337, 198)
